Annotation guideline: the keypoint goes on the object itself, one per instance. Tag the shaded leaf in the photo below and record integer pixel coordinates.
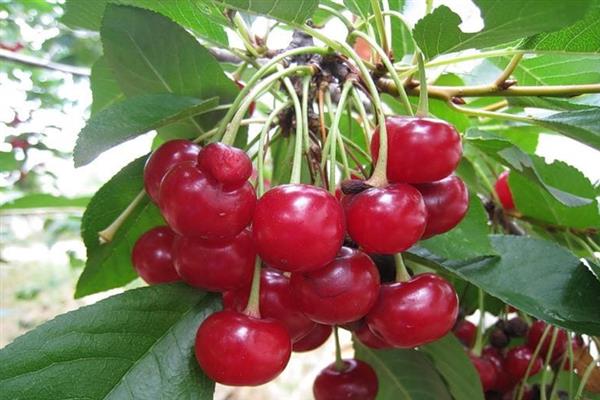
(296, 12)
(582, 125)
(105, 88)
(44, 201)
(550, 103)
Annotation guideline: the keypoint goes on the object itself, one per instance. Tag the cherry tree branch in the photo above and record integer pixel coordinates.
(41, 63)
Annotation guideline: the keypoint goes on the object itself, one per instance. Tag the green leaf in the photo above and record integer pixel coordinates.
(582, 125)
(8, 162)
(105, 88)
(83, 14)
(45, 201)
(439, 32)
(451, 360)
(296, 12)
(403, 374)
(136, 345)
(109, 265)
(549, 103)
(132, 117)
(361, 8)
(402, 39)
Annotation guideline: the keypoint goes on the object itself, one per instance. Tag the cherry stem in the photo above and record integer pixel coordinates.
(244, 34)
(402, 274)
(478, 347)
(336, 137)
(305, 130)
(366, 123)
(380, 24)
(339, 363)
(547, 363)
(423, 107)
(514, 62)
(260, 163)
(253, 307)
(296, 175)
(534, 356)
(571, 359)
(106, 235)
(491, 114)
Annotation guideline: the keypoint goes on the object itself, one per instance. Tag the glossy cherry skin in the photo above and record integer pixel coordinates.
(503, 191)
(298, 228)
(446, 202)
(504, 381)
(420, 150)
(343, 291)
(216, 266)
(357, 381)
(152, 256)
(163, 159)
(465, 331)
(486, 370)
(228, 165)
(275, 302)
(386, 220)
(196, 205)
(313, 339)
(535, 335)
(516, 362)
(238, 350)
(416, 312)
(369, 339)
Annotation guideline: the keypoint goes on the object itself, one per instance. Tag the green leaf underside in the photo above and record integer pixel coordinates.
(136, 345)
(552, 103)
(581, 125)
(293, 11)
(105, 88)
(44, 200)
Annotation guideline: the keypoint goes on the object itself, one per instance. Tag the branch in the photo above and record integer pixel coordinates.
(41, 63)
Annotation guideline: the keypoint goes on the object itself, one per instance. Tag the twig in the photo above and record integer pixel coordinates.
(41, 63)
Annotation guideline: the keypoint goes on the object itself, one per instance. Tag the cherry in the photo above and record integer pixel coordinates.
(465, 331)
(386, 220)
(196, 205)
(313, 339)
(446, 202)
(486, 370)
(503, 191)
(275, 302)
(152, 256)
(252, 105)
(516, 327)
(516, 362)
(228, 165)
(420, 150)
(535, 335)
(356, 381)
(163, 159)
(342, 291)
(369, 339)
(298, 228)
(416, 312)
(498, 338)
(216, 266)
(504, 382)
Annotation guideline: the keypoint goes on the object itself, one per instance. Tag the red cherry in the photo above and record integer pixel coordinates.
(409, 314)
(386, 220)
(504, 382)
(275, 302)
(486, 370)
(503, 191)
(252, 105)
(369, 339)
(313, 339)
(446, 202)
(228, 165)
(342, 291)
(298, 228)
(238, 350)
(216, 266)
(357, 381)
(535, 335)
(420, 150)
(152, 256)
(465, 331)
(516, 362)
(163, 159)
(196, 205)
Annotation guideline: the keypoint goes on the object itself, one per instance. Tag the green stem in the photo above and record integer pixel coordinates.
(402, 274)
(491, 114)
(260, 163)
(305, 130)
(479, 337)
(423, 108)
(339, 15)
(509, 69)
(534, 356)
(339, 363)
(334, 132)
(380, 24)
(571, 365)
(356, 148)
(584, 379)
(428, 6)
(547, 363)
(253, 307)
(367, 127)
(242, 29)
(106, 235)
(296, 175)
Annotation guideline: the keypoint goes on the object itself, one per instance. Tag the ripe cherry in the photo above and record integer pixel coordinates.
(504, 381)
(342, 291)
(465, 331)
(163, 159)
(275, 302)
(535, 335)
(446, 202)
(420, 150)
(216, 266)
(228, 165)
(196, 205)
(416, 312)
(356, 381)
(238, 350)
(516, 362)
(386, 220)
(486, 370)
(152, 256)
(369, 339)
(313, 339)
(298, 228)
(503, 191)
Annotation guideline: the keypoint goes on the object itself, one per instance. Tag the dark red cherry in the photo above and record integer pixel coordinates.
(196, 205)
(238, 350)
(369, 339)
(356, 381)
(275, 302)
(163, 159)
(465, 331)
(313, 339)
(228, 165)
(516, 362)
(342, 291)
(503, 191)
(152, 256)
(216, 266)
(416, 312)
(386, 220)
(486, 370)
(420, 150)
(504, 381)
(298, 228)
(446, 202)
(535, 335)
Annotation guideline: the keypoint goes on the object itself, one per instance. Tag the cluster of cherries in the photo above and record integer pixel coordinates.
(502, 366)
(309, 280)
